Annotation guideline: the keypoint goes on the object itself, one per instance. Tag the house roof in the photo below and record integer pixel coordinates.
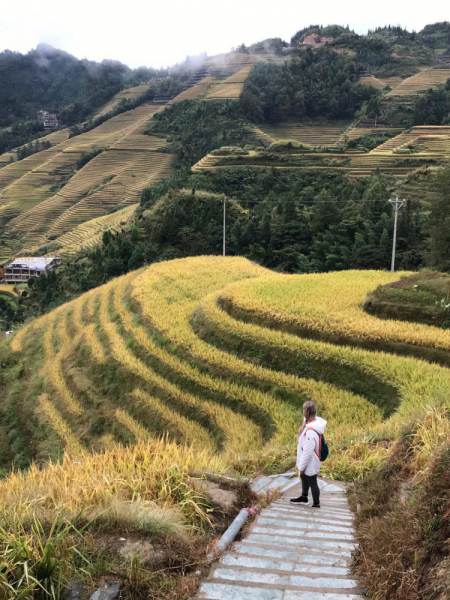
(39, 263)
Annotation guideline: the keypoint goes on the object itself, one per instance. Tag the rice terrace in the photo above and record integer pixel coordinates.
(225, 318)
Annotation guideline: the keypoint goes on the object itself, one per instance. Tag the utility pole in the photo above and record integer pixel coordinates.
(397, 204)
(224, 223)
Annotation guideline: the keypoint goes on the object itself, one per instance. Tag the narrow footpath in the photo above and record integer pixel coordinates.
(291, 552)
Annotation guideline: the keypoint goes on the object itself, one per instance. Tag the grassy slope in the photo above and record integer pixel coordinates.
(153, 352)
(421, 298)
(185, 348)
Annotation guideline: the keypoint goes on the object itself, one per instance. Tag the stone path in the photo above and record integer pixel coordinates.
(291, 552)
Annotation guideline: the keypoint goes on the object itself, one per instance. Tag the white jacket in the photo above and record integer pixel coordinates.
(308, 447)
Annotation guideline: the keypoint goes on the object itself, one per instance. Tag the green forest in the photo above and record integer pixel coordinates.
(290, 221)
(315, 84)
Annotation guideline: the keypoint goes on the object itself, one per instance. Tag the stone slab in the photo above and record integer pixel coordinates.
(295, 595)
(220, 591)
(324, 583)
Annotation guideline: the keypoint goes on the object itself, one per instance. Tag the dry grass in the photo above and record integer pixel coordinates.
(402, 518)
(146, 478)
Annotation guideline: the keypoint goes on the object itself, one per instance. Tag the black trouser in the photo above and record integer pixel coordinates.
(310, 481)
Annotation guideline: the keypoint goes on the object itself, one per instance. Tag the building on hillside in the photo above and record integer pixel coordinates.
(21, 269)
(445, 58)
(315, 40)
(48, 120)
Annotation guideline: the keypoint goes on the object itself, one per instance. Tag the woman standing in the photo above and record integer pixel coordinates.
(308, 454)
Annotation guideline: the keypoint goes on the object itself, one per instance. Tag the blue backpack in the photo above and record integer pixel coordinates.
(323, 446)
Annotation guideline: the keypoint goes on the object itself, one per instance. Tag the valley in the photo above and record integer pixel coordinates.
(225, 234)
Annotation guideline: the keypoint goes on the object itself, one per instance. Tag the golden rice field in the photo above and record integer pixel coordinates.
(90, 233)
(435, 137)
(213, 88)
(401, 156)
(56, 137)
(219, 354)
(373, 81)
(392, 82)
(421, 82)
(355, 165)
(319, 135)
(43, 196)
(132, 93)
(360, 130)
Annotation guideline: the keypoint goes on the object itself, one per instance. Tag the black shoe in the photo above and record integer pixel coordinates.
(315, 506)
(299, 500)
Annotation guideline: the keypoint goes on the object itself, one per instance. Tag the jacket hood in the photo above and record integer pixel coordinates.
(318, 424)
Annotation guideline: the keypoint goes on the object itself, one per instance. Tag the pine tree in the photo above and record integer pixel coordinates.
(440, 224)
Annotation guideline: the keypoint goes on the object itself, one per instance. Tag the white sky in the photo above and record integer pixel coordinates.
(162, 33)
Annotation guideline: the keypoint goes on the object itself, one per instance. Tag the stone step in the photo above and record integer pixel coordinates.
(313, 533)
(302, 525)
(291, 552)
(220, 591)
(290, 556)
(301, 542)
(302, 580)
(267, 564)
(304, 517)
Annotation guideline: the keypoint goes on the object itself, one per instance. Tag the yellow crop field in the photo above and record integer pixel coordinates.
(401, 156)
(421, 82)
(392, 82)
(211, 88)
(128, 162)
(175, 341)
(90, 233)
(439, 133)
(354, 164)
(128, 94)
(358, 131)
(195, 92)
(54, 138)
(8, 289)
(319, 135)
(378, 84)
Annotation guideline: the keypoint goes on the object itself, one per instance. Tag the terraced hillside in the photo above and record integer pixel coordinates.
(54, 138)
(90, 233)
(228, 74)
(44, 196)
(319, 135)
(228, 64)
(358, 131)
(373, 81)
(356, 165)
(421, 82)
(412, 151)
(425, 139)
(171, 348)
(132, 93)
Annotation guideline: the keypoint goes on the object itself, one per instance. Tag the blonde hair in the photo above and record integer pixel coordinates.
(309, 410)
